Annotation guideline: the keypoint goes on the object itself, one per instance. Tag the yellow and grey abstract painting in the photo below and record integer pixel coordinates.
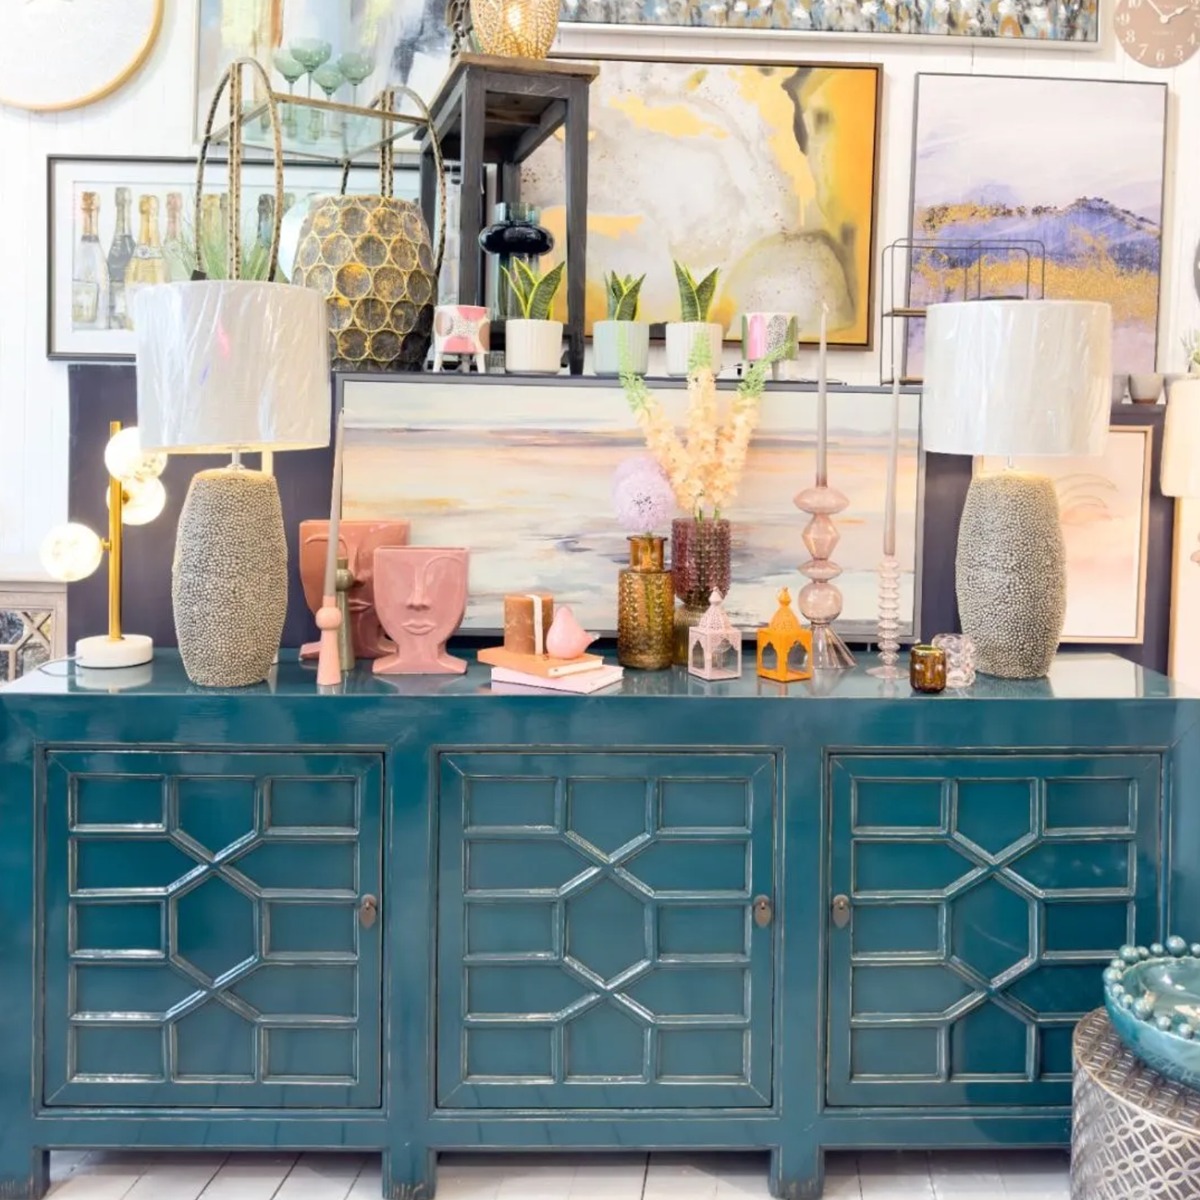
(765, 172)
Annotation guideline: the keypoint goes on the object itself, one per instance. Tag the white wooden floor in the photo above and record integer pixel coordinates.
(113, 1175)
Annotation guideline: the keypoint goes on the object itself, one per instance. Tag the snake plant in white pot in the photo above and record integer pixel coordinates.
(532, 341)
(622, 342)
(695, 299)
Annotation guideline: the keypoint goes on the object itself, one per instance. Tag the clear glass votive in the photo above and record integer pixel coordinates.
(960, 658)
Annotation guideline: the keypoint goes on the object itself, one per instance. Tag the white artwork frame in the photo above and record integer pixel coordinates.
(451, 453)
(1118, 483)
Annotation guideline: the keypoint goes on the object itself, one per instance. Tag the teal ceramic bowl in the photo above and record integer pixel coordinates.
(1153, 999)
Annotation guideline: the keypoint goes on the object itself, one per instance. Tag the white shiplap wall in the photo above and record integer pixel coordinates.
(153, 115)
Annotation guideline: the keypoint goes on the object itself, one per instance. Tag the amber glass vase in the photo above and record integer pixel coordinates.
(645, 607)
(700, 552)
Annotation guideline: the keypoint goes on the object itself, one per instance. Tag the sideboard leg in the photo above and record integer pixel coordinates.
(409, 1173)
(797, 1172)
(24, 1174)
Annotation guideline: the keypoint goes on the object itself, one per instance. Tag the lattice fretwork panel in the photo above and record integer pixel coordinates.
(596, 944)
(203, 944)
(987, 893)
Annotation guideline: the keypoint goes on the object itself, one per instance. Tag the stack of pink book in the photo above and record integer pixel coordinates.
(514, 672)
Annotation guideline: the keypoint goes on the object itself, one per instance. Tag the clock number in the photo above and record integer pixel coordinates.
(1123, 18)
(1130, 37)
(1160, 57)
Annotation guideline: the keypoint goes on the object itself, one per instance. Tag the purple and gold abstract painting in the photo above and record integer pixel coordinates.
(1070, 168)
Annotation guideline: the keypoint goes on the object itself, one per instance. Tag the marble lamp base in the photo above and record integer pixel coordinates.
(1011, 574)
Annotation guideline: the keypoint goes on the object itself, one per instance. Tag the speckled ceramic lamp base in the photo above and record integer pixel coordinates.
(1011, 574)
(229, 579)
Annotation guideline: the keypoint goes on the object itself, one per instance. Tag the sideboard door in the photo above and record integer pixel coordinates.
(205, 936)
(986, 894)
(599, 941)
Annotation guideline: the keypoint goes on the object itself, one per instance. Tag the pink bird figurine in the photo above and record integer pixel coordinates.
(566, 638)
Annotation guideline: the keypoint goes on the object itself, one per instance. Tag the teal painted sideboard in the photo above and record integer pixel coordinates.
(420, 916)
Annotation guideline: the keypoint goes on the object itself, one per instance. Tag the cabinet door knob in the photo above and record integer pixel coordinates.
(840, 911)
(763, 911)
(368, 909)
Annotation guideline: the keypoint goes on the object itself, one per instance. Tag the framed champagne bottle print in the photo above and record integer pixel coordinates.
(119, 224)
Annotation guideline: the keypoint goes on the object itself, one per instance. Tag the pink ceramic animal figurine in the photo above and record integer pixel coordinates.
(421, 596)
(462, 329)
(566, 638)
(358, 540)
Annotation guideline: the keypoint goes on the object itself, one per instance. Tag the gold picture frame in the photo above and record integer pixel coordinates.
(72, 48)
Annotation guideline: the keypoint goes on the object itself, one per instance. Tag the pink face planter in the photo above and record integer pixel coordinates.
(462, 329)
(420, 596)
(357, 541)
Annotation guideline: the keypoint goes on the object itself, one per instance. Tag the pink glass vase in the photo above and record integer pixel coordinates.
(700, 564)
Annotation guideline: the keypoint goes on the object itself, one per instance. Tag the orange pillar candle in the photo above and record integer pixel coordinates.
(527, 618)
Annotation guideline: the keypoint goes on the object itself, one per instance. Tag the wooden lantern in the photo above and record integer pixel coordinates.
(780, 642)
(714, 645)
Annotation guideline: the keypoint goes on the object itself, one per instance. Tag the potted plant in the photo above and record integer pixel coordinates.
(695, 299)
(622, 339)
(1191, 346)
(532, 341)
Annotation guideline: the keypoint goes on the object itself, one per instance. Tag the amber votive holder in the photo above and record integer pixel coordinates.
(927, 669)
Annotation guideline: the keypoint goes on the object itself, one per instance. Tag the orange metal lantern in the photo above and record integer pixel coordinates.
(784, 645)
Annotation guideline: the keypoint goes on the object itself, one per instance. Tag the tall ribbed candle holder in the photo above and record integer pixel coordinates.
(888, 626)
(820, 600)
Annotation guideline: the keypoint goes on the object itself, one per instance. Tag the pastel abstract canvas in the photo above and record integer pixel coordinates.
(522, 475)
(1073, 167)
(765, 172)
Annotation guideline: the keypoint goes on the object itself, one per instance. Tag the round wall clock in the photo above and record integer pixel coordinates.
(1158, 33)
(59, 54)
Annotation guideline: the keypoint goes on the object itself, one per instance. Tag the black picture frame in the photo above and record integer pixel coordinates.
(63, 170)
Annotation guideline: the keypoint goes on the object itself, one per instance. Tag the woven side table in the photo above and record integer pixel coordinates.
(1135, 1135)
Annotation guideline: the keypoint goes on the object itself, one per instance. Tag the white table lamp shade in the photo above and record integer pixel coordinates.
(226, 365)
(1181, 440)
(1011, 377)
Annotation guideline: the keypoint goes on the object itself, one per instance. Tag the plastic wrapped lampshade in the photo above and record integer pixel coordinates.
(1181, 440)
(1011, 377)
(226, 365)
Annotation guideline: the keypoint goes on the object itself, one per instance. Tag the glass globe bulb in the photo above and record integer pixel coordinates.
(125, 459)
(144, 500)
(72, 551)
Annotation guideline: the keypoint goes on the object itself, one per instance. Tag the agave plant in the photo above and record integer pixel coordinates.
(622, 292)
(695, 299)
(534, 293)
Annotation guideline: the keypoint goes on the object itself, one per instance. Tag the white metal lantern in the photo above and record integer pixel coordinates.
(714, 645)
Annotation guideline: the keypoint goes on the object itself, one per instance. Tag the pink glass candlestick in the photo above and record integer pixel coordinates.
(820, 600)
(889, 621)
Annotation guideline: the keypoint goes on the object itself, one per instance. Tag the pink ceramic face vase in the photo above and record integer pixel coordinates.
(357, 541)
(421, 596)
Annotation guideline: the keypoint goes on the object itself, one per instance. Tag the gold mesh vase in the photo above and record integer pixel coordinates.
(645, 607)
(515, 28)
(372, 259)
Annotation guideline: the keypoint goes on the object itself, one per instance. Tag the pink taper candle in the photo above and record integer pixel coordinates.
(889, 500)
(329, 618)
(822, 406)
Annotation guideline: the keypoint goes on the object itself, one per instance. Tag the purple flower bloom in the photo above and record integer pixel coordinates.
(642, 498)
